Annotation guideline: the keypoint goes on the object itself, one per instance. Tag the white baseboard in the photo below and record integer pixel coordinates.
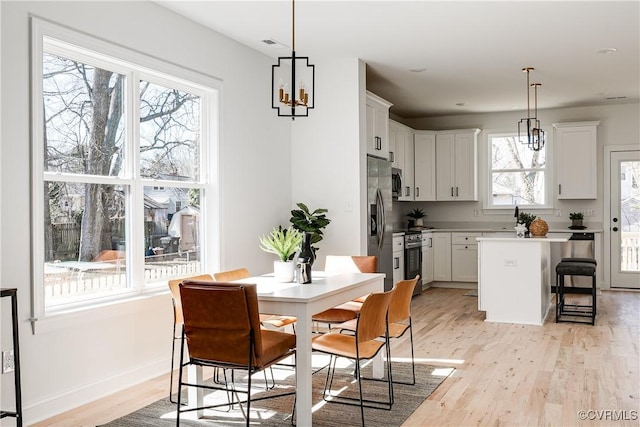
(67, 400)
(454, 285)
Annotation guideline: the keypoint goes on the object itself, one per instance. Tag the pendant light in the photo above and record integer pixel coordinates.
(535, 136)
(292, 80)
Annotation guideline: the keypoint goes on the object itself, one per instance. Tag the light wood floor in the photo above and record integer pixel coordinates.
(511, 375)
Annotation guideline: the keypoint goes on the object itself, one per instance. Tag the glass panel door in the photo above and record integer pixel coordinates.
(625, 219)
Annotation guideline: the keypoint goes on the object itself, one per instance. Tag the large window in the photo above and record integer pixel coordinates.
(119, 152)
(517, 174)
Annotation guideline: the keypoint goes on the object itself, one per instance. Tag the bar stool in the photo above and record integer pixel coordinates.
(575, 267)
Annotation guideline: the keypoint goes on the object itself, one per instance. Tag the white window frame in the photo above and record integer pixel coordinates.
(488, 206)
(136, 66)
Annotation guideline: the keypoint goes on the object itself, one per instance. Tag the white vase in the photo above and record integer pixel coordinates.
(283, 271)
(419, 222)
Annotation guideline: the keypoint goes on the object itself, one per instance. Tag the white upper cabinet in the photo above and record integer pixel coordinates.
(377, 126)
(425, 165)
(457, 160)
(576, 160)
(401, 137)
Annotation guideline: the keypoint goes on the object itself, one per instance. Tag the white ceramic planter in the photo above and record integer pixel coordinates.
(283, 271)
(419, 222)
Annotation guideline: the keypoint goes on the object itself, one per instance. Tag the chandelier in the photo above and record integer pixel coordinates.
(534, 137)
(292, 80)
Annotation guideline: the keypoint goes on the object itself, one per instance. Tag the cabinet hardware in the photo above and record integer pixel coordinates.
(451, 191)
(396, 263)
(392, 156)
(408, 190)
(456, 191)
(417, 191)
(430, 242)
(559, 188)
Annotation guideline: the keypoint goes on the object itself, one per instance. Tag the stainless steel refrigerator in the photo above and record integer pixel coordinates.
(379, 242)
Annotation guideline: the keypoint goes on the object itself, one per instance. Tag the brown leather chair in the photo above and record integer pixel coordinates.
(371, 323)
(222, 329)
(274, 321)
(346, 264)
(399, 318)
(178, 318)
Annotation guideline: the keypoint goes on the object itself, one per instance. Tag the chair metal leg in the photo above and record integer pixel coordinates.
(173, 351)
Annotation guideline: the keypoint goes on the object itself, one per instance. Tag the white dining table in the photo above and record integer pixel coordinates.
(303, 301)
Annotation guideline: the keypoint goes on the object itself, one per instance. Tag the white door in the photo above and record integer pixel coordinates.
(625, 219)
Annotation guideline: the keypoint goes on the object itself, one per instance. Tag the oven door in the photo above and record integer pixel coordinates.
(413, 266)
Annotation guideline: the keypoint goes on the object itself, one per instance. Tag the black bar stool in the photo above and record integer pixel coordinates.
(575, 267)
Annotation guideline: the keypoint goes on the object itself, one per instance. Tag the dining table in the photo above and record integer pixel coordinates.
(326, 290)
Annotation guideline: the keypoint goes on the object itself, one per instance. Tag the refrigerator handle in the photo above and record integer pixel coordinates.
(382, 221)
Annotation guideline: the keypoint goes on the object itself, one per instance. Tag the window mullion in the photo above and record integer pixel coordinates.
(136, 218)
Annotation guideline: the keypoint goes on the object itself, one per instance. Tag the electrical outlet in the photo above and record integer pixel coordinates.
(558, 212)
(8, 362)
(588, 212)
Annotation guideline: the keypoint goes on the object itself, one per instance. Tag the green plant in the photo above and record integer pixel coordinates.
(281, 242)
(312, 222)
(416, 214)
(526, 218)
(576, 215)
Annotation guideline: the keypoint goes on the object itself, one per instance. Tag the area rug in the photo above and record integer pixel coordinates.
(471, 293)
(277, 412)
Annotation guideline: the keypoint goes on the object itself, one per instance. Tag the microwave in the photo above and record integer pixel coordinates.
(396, 182)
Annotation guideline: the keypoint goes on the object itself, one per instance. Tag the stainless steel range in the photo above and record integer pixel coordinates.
(413, 258)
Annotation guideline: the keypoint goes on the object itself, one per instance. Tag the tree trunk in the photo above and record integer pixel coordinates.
(95, 220)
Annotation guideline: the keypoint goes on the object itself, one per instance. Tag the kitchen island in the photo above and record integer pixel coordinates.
(514, 278)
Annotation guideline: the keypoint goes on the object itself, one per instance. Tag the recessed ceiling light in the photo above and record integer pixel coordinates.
(607, 50)
(418, 70)
(461, 104)
(273, 43)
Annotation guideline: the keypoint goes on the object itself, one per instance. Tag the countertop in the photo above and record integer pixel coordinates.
(492, 228)
(555, 239)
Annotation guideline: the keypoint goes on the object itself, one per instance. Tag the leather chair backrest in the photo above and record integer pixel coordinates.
(220, 319)
(351, 264)
(174, 286)
(400, 305)
(372, 319)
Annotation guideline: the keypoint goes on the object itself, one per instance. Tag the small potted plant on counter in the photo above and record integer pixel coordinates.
(417, 215)
(576, 219)
(283, 243)
(526, 219)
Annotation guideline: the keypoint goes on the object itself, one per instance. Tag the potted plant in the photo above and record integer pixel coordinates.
(576, 219)
(283, 243)
(310, 222)
(417, 215)
(526, 219)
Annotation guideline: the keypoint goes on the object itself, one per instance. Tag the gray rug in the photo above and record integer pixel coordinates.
(471, 293)
(276, 412)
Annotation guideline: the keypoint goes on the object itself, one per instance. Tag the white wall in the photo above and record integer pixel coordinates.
(327, 161)
(77, 358)
(619, 125)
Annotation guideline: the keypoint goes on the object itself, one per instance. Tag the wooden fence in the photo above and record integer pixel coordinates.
(630, 252)
(77, 284)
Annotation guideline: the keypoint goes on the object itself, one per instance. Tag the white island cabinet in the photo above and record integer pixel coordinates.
(514, 278)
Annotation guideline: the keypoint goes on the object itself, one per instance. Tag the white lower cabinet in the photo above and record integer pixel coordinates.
(464, 257)
(427, 258)
(442, 257)
(398, 258)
